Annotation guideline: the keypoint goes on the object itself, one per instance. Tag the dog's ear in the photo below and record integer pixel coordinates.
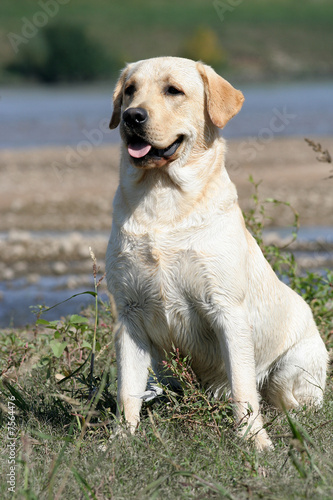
(223, 100)
(118, 98)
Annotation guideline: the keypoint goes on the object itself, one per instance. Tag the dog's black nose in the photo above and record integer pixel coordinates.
(135, 116)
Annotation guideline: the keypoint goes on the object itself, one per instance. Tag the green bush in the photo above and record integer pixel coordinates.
(204, 45)
(64, 53)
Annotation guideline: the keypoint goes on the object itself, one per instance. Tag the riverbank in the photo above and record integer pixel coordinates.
(52, 190)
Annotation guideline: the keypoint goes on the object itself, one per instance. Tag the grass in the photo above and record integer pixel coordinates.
(178, 452)
(259, 40)
(60, 378)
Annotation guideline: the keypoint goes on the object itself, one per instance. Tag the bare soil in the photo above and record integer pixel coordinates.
(49, 189)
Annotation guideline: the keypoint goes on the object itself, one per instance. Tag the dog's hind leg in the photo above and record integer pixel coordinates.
(299, 375)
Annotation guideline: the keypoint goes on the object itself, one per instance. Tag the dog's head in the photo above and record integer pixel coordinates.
(168, 106)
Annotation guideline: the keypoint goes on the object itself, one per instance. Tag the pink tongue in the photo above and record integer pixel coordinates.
(139, 150)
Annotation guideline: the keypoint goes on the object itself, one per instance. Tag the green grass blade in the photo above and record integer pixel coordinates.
(66, 300)
(58, 461)
(83, 484)
(19, 399)
(74, 372)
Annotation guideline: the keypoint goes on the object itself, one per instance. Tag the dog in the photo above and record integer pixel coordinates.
(183, 269)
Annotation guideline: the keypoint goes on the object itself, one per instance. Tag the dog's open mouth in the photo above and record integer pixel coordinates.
(139, 149)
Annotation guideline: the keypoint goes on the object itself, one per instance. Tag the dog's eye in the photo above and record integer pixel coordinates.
(130, 90)
(171, 90)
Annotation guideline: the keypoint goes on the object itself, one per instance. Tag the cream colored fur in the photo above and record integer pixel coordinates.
(184, 270)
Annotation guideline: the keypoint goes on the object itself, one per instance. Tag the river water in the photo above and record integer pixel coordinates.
(47, 116)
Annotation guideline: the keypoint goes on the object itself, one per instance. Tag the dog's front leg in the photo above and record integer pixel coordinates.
(133, 361)
(238, 355)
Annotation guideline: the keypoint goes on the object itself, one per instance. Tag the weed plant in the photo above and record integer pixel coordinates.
(61, 376)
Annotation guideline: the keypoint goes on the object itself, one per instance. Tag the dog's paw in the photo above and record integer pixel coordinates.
(103, 447)
(258, 435)
(118, 432)
(262, 441)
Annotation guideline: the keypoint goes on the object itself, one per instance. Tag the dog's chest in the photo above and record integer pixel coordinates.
(165, 287)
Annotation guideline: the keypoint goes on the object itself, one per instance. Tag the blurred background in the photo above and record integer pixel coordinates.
(59, 60)
(81, 40)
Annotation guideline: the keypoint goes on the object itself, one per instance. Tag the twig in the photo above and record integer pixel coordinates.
(96, 285)
(324, 155)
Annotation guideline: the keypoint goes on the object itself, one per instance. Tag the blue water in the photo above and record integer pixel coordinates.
(55, 116)
(305, 234)
(19, 300)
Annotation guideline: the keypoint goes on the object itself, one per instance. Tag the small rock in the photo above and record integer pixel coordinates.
(66, 246)
(16, 205)
(33, 278)
(83, 251)
(18, 236)
(59, 267)
(17, 251)
(8, 274)
(20, 267)
(72, 283)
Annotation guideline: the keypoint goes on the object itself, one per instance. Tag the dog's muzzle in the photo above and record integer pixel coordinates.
(138, 148)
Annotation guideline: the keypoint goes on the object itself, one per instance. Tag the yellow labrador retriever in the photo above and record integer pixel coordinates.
(181, 265)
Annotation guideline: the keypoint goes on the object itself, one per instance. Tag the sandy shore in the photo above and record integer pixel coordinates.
(59, 189)
(62, 189)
